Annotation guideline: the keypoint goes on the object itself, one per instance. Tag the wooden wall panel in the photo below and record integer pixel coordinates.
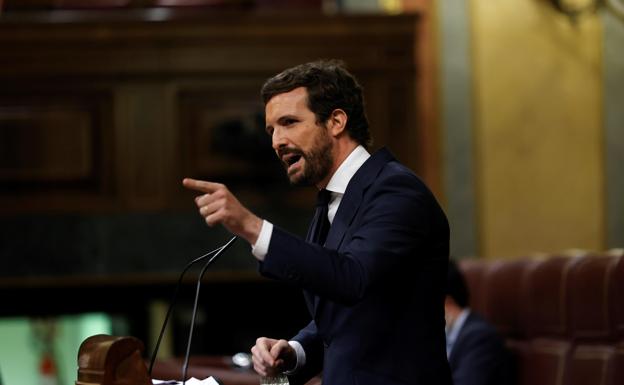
(55, 144)
(46, 143)
(222, 132)
(183, 94)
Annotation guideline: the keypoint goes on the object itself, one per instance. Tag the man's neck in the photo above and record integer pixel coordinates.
(341, 150)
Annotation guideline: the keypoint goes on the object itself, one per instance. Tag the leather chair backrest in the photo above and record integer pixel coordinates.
(545, 297)
(474, 273)
(503, 304)
(590, 292)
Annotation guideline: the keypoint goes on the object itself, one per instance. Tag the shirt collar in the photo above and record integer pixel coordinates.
(454, 330)
(339, 181)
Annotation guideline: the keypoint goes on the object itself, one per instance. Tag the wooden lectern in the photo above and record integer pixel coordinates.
(108, 360)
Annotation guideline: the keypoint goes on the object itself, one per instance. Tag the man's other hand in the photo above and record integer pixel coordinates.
(271, 357)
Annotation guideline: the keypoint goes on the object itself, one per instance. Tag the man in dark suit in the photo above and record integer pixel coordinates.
(374, 262)
(475, 350)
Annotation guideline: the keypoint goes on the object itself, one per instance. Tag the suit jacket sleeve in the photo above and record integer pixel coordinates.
(312, 344)
(391, 225)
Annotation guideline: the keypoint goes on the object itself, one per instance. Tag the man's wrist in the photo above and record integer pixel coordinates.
(261, 247)
(300, 357)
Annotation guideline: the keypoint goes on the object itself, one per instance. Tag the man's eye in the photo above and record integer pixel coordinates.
(289, 122)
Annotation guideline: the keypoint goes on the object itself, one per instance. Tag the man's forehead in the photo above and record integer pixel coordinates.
(287, 102)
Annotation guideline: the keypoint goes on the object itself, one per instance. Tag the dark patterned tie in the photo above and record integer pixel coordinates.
(320, 224)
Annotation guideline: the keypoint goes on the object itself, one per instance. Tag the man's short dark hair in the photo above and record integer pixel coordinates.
(456, 286)
(330, 86)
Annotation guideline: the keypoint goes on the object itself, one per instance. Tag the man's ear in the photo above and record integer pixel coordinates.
(337, 122)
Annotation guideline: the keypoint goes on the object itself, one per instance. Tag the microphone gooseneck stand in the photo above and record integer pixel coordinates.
(217, 252)
(201, 275)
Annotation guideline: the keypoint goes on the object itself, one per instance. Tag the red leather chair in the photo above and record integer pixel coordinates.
(591, 365)
(590, 290)
(592, 327)
(545, 295)
(617, 298)
(474, 271)
(502, 302)
(618, 364)
(563, 317)
(543, 359)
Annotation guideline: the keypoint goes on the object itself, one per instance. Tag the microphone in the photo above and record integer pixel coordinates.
(218, 251)
(201, 275)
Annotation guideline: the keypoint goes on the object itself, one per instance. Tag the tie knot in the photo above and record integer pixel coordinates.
(322, 199)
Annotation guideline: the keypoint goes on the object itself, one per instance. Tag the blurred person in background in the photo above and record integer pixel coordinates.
(475, 350)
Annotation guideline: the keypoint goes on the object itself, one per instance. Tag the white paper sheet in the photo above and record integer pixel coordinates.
(191, 381)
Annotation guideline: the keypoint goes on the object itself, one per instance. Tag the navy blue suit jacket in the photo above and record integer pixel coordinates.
(478, 356)
(376, 289)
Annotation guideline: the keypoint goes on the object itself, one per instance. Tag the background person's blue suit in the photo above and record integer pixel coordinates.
(478, 356)
(476, 351)
(376, 289)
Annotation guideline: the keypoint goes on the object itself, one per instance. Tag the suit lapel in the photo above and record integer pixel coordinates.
(353, 196)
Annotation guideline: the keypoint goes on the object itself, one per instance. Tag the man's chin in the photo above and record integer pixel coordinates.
(299, 179)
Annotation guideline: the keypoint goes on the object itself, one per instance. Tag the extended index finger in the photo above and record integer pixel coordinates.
(199, 185)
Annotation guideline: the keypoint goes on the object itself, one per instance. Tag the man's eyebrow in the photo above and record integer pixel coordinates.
(281, 120)
(287, 117)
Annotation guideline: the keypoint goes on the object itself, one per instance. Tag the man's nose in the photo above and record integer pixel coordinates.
(278, 139)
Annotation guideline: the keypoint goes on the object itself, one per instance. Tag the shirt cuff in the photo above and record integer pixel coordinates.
(261, 247)
(301, 357)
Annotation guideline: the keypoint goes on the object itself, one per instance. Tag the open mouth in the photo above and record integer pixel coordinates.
(291, 159)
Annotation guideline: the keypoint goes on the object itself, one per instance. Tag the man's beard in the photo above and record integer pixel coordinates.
(317, 162)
